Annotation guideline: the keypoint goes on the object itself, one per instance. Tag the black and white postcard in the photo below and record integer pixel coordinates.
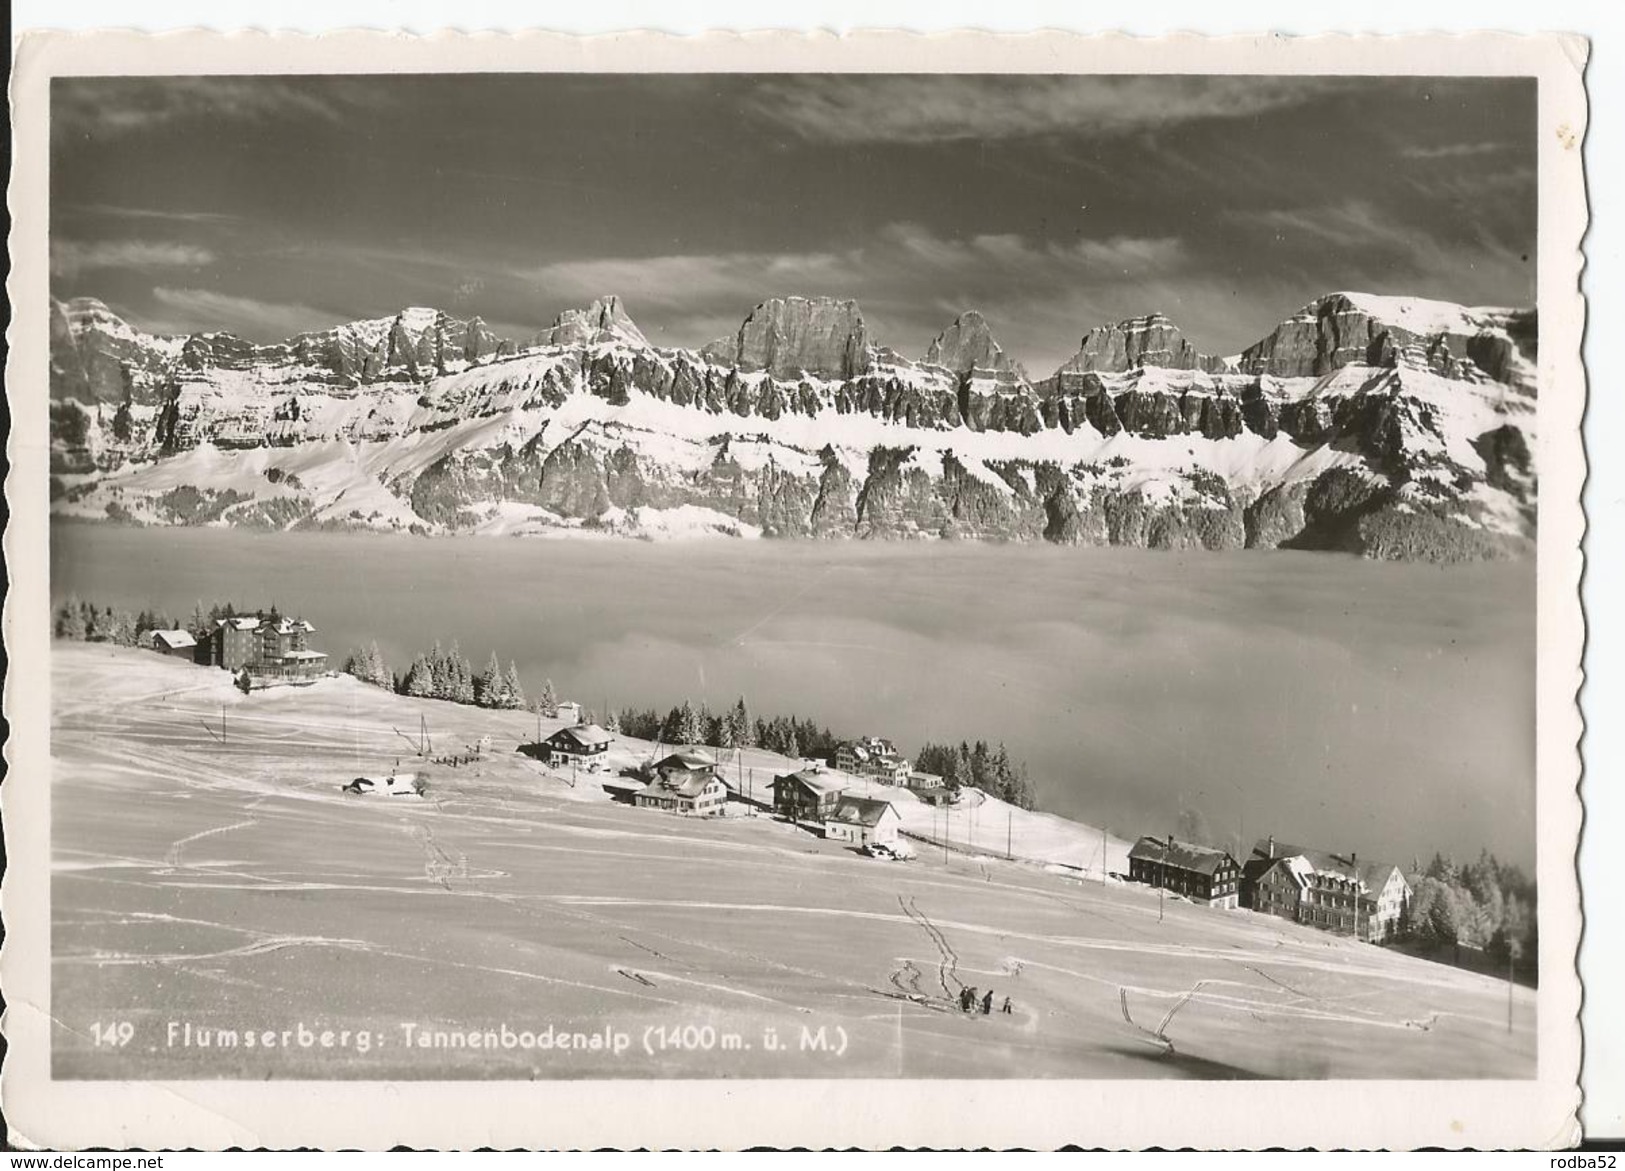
(779, 590)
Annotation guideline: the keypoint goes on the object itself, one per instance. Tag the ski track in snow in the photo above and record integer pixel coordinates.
(172, 859)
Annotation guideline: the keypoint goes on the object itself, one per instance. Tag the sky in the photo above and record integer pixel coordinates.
(1052, 204)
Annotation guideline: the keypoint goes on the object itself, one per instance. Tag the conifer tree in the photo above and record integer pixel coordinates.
(419, 679)
(381, 675)
(550, 699)
(743, 727)
(612, 722)
(674, 729)
(488, 686)
(693, 724)
(513, 693)
(459, 675)
(70, 619)
(439, 672)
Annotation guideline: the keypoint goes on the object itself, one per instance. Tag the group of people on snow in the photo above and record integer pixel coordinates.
(969, 1001)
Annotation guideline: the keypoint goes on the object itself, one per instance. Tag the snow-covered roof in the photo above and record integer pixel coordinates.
(690, 786)
(1180, 855)
(866, 811)
(876, 748)
(174, 639)
(1374, 875)
(584, 735)
(691, 759)
(817, 781)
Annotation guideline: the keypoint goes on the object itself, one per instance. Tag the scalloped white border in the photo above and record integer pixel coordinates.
(818, 1114)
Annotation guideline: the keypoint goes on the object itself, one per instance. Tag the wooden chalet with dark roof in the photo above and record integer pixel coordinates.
(578, 743)
(808, 795)
(1200, 873)
(683, 764)
(701, 793)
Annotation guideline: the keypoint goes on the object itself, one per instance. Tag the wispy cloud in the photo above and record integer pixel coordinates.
(195, 310)
(162, 215)
(1389, 254)
(1348, 224)
(878, 263)
(1455, 150)
(69, 258)
(118, 104)
(913, 108)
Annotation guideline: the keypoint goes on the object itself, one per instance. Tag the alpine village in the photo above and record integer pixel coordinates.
(1479, 915)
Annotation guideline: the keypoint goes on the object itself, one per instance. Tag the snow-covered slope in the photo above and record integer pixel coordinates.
(1383, 425)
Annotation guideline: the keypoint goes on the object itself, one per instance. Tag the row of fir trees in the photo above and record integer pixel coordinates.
(989, 769)
(84, 621)
(445, 673)
(732, 727)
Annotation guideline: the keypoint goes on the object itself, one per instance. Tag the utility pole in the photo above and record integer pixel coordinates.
(1102, 855)
(1009, 814)
(1510, 957)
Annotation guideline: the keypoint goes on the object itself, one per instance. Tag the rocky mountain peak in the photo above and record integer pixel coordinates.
(1346, 328)
(968, 344)
(605, 320)
(1151, 340)
(792, 336)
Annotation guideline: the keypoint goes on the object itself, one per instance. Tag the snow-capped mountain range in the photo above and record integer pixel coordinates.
(1393, 427)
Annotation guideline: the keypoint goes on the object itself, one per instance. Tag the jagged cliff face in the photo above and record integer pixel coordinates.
(793, 336)
(1388, 427)
(1356, 329)
(1133, 344)
(968, 345)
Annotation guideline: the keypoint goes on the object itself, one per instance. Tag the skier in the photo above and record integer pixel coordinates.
(987, 1002)
(1006, 1008)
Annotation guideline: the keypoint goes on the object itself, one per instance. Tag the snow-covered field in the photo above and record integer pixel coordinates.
(209, 873)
